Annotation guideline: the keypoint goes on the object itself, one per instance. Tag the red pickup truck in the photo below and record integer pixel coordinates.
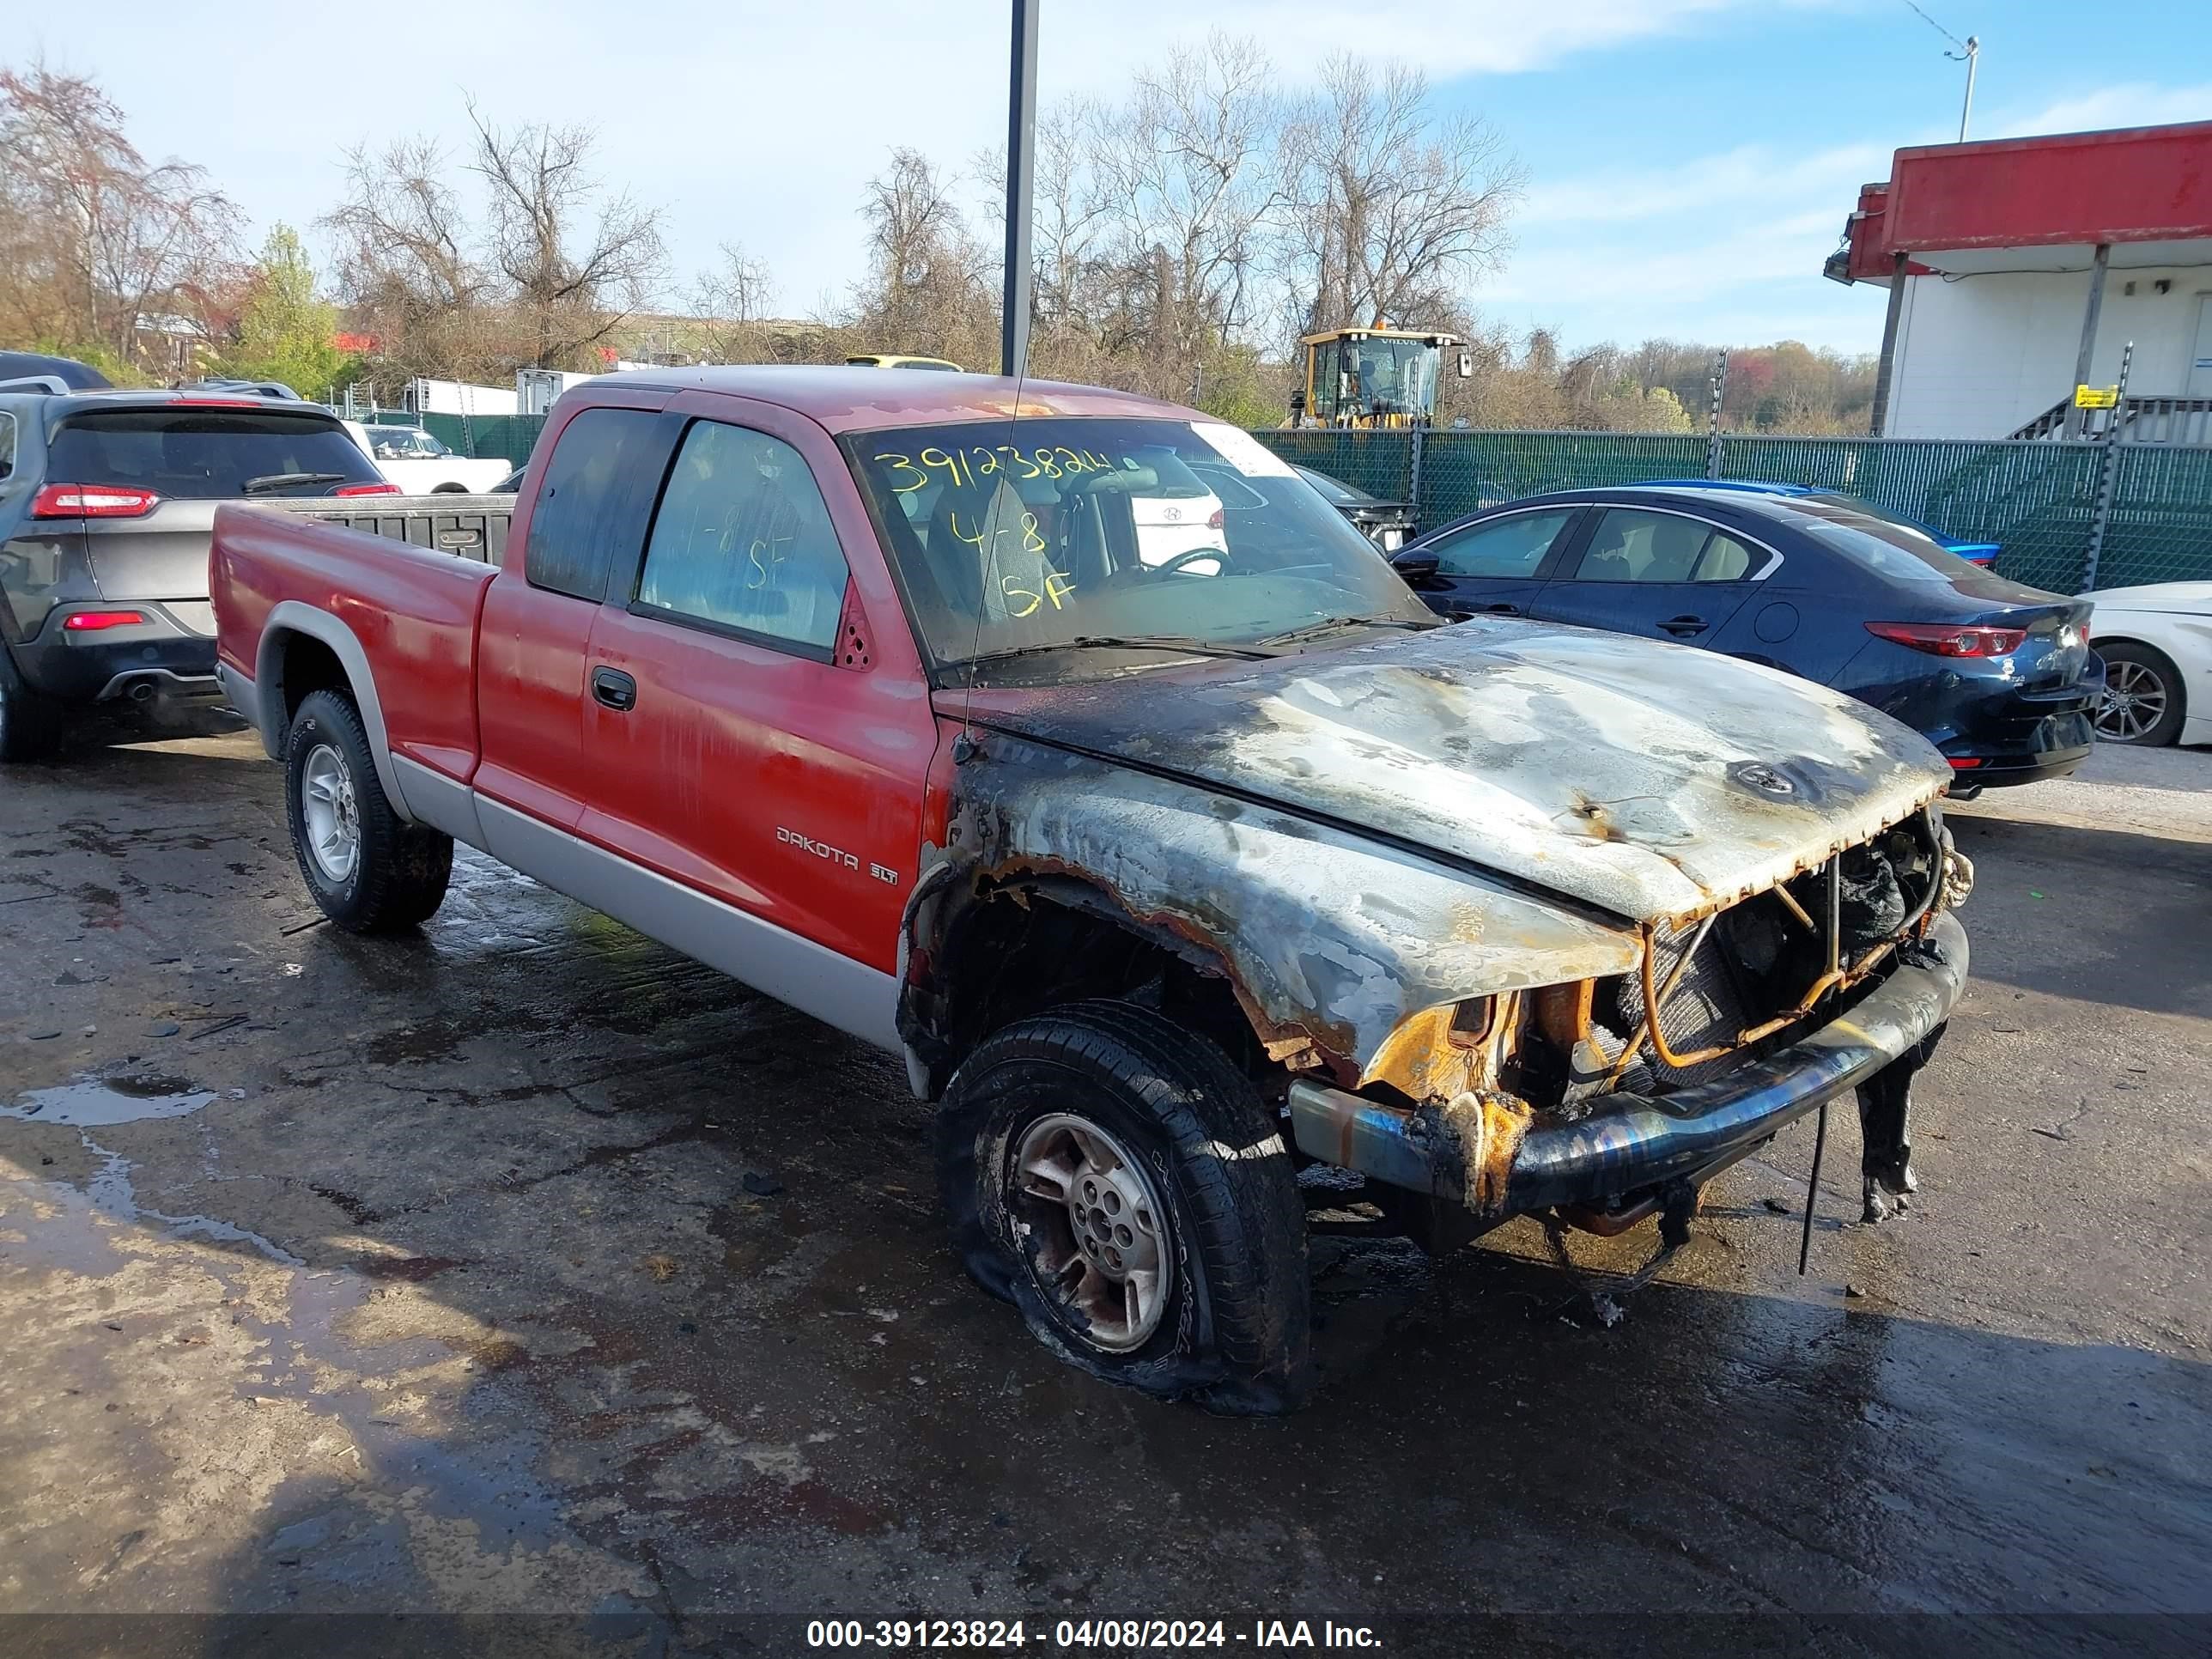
(1071, 746)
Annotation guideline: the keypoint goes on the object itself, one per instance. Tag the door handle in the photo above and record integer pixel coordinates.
(615, 689)
(1683, 628)
(1503, 607)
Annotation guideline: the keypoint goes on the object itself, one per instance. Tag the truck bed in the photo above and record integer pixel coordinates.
(402, 618)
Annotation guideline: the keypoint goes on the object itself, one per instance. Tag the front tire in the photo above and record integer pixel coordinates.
(370, 870)
(2143, 703)
(1121, 1183)
(30, 723)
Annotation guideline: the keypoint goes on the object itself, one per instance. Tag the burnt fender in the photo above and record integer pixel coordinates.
(1326, 938)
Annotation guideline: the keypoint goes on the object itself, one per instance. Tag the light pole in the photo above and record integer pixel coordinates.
(1021, 167)
(1972, 54)
(1969, 53)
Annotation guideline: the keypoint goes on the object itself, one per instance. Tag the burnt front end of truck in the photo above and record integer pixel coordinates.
(1602, 1101)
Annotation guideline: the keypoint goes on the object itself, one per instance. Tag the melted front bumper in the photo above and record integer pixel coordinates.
(1624, 1144)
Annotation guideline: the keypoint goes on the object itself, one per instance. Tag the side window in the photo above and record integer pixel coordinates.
(1631, 546)
(1512, 546)
(6, 446)
(1727, 560)
(743, 540)
(590, 512)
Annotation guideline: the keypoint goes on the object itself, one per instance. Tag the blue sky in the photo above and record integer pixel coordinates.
(1690, 161)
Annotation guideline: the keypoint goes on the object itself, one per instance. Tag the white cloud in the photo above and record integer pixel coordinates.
(2135, 104)
(1447, 38)
(1652, 272)
(1725, 247)
(752, 123)
(1751, 175)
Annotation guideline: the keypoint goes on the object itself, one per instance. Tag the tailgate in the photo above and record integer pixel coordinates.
(467, 526)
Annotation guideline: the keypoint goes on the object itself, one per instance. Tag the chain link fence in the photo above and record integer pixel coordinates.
(1380, 462)
(2037, 500)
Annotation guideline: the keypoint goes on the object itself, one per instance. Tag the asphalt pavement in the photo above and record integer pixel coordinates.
(525, 1271)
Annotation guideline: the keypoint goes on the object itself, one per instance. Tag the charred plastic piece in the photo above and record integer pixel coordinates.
(1884, 1131)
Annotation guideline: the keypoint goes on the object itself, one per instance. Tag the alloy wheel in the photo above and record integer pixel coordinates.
(332, 812)
(2135, 702)
(1097, 1238)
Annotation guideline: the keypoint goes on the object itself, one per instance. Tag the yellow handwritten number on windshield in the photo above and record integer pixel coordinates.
(901, 462)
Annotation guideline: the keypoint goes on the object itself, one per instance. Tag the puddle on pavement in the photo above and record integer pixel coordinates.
(99, 1102)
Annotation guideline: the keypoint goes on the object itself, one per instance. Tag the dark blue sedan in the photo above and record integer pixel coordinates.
(1998, 675)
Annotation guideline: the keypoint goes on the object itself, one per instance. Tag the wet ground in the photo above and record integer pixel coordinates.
(524, 1266)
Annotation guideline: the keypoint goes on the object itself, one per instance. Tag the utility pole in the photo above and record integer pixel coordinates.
(1021, 170)
(1972, 54)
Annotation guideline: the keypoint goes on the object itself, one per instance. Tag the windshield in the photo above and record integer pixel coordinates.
(1373, 376)
(1874, 541)
(1112, 528)
(207, 454)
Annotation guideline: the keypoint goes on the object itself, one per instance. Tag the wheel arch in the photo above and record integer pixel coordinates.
(976, 956)
(299, 646)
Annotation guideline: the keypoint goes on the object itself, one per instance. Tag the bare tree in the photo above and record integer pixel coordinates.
(543, 273)
(1186, 167)
(573, 287)
(98, 241)
(1394, 213)
(408, 265)
(729, 300)
(928, 290)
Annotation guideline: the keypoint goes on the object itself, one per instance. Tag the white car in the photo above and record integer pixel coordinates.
(420, 465)
(2156, 642)
(1177, 517)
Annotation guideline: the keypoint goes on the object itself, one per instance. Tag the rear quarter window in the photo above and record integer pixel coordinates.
(1875, 542)
(207, 454)
(588, 517)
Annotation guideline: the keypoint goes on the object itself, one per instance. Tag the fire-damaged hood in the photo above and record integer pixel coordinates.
(1648, 779)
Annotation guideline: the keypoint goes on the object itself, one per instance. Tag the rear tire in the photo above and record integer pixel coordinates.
(2143, 696)
(1120, 1182)
(370, 870)
(30, 723)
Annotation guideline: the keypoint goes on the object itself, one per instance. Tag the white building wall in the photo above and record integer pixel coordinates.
(1979, 356)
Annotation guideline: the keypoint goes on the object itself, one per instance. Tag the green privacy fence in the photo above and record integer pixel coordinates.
(2038, 501)
(2161, 526)
(507, 436)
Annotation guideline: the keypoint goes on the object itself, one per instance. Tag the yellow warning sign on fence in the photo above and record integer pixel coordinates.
(2096, 396)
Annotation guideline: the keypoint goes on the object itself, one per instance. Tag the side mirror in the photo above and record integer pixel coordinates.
(1416, 567)
(1466, 365)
